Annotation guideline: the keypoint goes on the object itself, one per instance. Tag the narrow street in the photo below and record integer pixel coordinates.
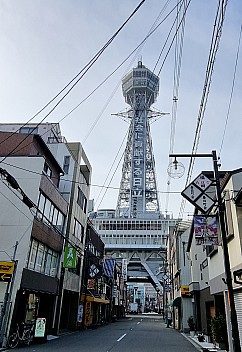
(134, 334)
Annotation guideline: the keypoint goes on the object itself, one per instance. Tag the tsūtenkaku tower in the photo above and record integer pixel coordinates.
(138, 197)
(135, 233)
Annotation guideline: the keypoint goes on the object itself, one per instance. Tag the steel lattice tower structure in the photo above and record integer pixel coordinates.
(135, 233)
(138, 197)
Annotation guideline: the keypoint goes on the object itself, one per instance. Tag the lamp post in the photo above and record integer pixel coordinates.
(233, 315)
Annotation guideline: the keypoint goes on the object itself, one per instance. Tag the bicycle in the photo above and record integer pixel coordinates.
(26, 337)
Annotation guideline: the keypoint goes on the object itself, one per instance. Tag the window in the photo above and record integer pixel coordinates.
(47, 170)
(39, 258)
(66, 164)
(28, 130)
(43, 259)
(78, 230)
(81, 200)
(48, 213)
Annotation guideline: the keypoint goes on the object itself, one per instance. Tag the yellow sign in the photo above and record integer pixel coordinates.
(184, 290)
(6, 271)
(6, 268)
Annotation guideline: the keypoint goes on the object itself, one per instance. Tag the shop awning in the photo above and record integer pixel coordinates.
(176, 302)
(94, 299)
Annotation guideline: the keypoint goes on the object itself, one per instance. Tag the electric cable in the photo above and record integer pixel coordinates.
(35, 127)
(83, 71)
(65, 237)
(231, 94)
(176, 83)
(112, 166)
(92, 92)
(66, 180)
(215, 40)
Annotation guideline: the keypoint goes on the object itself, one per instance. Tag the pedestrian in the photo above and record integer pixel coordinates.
(169, 318)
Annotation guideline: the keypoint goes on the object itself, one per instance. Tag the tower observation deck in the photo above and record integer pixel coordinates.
(136, 232)
(138, 197)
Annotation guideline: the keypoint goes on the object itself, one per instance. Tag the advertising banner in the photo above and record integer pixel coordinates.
(40, 327)
(206, 230)
(69, 258)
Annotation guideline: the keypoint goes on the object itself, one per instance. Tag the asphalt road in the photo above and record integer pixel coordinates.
(133, 334)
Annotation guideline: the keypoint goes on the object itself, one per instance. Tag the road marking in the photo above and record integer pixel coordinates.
(121, 337)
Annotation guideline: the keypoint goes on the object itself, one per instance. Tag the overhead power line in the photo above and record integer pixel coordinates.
(215, 40)
(231, 94)
(84, 70)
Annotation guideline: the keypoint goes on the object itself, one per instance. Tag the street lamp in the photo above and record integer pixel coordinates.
(228, 281)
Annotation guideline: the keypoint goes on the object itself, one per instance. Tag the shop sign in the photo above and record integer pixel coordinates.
(40, 327)
(6, 271)
(88, 315)
(185, 291)
(238, 276)
(80, 313)
(69, 258)
(125, 269)
(91, 284)
(195, 193)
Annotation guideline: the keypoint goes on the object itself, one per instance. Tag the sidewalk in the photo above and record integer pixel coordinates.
(205, 346)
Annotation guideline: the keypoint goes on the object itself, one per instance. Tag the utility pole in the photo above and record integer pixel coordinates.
(221, 210)
(234, 321)
(6, 303)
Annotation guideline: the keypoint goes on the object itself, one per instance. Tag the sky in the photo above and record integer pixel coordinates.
(46, 43)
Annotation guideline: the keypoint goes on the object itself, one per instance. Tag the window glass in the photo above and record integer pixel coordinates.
(41, 204)
(43, 259)
(66, 164)
(81, 200)
(40, 258)
(32, 256)
(47, 208)
(60, 219)
(55, 216)
(28, 130)
(54, 264)
(48, 262)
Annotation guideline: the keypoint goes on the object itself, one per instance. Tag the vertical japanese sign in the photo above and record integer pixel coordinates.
(206, 230)
(125, 269)
(69, 257)
(88, 314)
(138, 161)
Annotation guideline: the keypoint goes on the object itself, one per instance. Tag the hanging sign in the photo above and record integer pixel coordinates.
(6, 271)
(206, 231)
(69, 257)
(195, 193)
(125, 269)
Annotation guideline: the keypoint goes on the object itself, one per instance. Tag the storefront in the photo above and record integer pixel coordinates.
(36, 298)
(94, 310)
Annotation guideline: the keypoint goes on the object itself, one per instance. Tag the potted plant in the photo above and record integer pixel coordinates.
(191, 324)
(219, 331)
